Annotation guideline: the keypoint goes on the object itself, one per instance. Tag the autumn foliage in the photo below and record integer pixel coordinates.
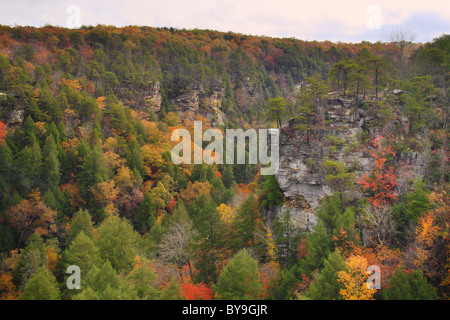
(381, 183)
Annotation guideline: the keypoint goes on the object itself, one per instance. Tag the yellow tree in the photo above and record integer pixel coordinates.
(354, 279)
(227, 213)
(194, 190)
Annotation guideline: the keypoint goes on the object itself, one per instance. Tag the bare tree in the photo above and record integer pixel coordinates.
(379, 222)
(402, 39)
(175, 245)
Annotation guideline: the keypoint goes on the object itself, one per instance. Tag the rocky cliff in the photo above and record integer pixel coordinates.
(301, 175)
(196, 101)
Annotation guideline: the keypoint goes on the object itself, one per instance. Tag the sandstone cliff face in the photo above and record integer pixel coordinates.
(197, 101)
(301, 175)
(154, 97)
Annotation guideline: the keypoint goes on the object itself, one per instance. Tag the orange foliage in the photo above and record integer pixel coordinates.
(267, 273)
(75, 196)
(346, 244)
(194, 190)
(28, 217)
(72, 84)
(382, 181)
(199, 291)
(8, 290)
(354, 279)
(52, 258)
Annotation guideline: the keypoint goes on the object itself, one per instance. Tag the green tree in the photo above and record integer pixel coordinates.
(29, 164)
(277, 110)
(247, 222)
(42, 286)
(271, 194)
(340, 179)
(326, 285)
(239, 279)
(82, 252)
(408, 286)
(31, 258)
(50, 165)
(141, 281)
(81, 222)
(117, 243)
(6, 163)
(93, 170)
(102, 284)
(379, 66)
(406, 213)
(209, 239)
(146, 214)
(286, 236)
(342, 71)
(311, 102)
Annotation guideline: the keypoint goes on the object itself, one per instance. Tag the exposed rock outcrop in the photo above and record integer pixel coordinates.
(197, 101)
(301, 175)
(154, 97)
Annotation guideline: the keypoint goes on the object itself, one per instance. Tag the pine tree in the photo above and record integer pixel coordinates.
(141, 281)
(286, 237)
(83, 253)
(239, 279)
(117, 243)
(6, 163)
(29, 164)
(326, 285)
(94, 170)
(81, 222)
(209, 239)
(277, 110)
(101, 283)
(146, 214)
(42, 286)
(405, 285)
(50, 165)
(247, 221)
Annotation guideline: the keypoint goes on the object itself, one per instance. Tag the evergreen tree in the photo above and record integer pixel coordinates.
(141, 281)
(6, 178)
(94, 170)
(50, 165)
(101, 283)
(286, 237)
(117, 243)
(81, 222)
(239, 279)
(408, 286)
(42, 286)
(31, 258)
(271, 194)
(326, 285)
(209, 239)
(146, 214)
(82, 252)
(277, 110)
(228, 176)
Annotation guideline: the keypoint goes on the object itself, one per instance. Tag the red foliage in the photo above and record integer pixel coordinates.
(382, 181)
(3, 131)
(171, 204)
(198, 291)
(302, 249)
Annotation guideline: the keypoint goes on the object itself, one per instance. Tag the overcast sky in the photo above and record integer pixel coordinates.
(346, 21)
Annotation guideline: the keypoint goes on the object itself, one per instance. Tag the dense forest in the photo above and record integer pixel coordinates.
(86, 176)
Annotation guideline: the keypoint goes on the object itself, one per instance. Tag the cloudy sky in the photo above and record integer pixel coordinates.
(347, 21)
